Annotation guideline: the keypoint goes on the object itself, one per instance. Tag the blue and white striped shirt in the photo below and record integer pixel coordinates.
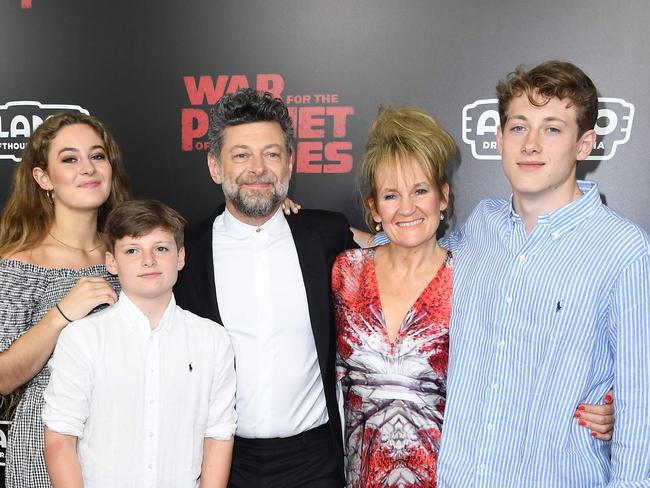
(541, 323)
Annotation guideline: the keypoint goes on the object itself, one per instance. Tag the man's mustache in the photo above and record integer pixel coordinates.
(252, 181)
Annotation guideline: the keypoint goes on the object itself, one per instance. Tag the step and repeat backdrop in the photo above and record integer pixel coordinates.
(151, 71)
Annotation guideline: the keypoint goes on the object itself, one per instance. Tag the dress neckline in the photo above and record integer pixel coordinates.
(17, 263)
(384, 327)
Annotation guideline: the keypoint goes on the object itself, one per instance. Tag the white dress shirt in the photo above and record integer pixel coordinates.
(141, 401)
(263, 305)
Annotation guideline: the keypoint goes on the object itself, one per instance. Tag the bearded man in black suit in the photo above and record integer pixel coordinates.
(266, 277)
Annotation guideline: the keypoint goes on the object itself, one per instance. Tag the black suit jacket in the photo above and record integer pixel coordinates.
(319, 236)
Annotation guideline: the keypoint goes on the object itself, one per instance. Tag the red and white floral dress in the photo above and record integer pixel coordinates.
(393, 393)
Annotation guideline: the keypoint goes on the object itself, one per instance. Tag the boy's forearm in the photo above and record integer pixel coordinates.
(62, 461)
(215, 467)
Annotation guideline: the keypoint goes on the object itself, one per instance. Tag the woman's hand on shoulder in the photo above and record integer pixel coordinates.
(88, 293)
(363, 238)
(289, 206)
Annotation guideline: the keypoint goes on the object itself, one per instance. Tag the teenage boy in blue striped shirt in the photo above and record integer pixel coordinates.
(551, 308)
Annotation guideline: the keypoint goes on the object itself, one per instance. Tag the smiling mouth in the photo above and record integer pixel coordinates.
(410, 223)
(90, 184)
(259, 185)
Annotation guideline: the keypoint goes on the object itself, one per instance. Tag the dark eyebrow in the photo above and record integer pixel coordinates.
(244, 146)
(74, 149)
(546, 119)
(554, 119)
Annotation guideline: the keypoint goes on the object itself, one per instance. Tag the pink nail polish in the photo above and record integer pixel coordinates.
(577, 415)
(581, 407)
(582, 423)
(608, 398)
(594, 434)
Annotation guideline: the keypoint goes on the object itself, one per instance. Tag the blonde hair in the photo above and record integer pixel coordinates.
(404, 133)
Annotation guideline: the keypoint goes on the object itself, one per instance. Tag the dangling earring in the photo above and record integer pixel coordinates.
(378, 227)
(50, 196)
(442, 216)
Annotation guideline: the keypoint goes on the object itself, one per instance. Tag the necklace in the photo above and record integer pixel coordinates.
(77, 248)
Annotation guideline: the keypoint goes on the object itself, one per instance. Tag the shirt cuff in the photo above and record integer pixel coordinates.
(221, 432)
(63, 427)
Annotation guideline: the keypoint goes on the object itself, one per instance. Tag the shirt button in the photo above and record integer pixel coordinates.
(555, 235)
(482, 467)
(489, 426)
(258, 230)
(508, 299)
(150, 466)
(502, 343)
(495, 386)
(150, 434)
(522, 258)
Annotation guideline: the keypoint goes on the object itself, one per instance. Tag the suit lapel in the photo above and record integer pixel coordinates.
(313, 265)
(204, 269)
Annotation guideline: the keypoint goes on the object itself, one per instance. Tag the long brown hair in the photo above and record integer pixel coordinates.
(28, 213)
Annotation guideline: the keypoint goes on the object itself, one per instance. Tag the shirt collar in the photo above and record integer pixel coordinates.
(234, 227)
(568, 216)
(135, 317)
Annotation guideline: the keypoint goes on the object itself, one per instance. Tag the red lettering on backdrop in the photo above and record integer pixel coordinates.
(293, 113)
(343, 160)
(309, 121)
(271, 83)
(209, 90)
(25, 3)
(313, 124)
(206, 91)
(237, 82)
(309, 152)
(194, 124)
(340, 115)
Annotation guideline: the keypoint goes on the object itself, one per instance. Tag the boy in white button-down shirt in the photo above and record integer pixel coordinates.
(142, 394)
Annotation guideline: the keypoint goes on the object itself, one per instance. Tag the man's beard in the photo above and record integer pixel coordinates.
(254, 203)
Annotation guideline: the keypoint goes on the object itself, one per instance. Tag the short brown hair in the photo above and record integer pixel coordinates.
(552, 79)
(404, 133)
(136, 218)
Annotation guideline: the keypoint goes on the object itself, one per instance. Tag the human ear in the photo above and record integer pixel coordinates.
(111, 264)
(444, 197)
(373, 211)
(586, 144)
(499, 139)
(181, 259)
(213, 167)
(42, 178)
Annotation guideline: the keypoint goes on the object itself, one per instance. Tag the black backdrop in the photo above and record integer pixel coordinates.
(335, 62)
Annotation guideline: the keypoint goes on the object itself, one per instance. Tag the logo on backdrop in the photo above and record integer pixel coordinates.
(18, 120)
(613, 127)
(4, 432)
(319, 119)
